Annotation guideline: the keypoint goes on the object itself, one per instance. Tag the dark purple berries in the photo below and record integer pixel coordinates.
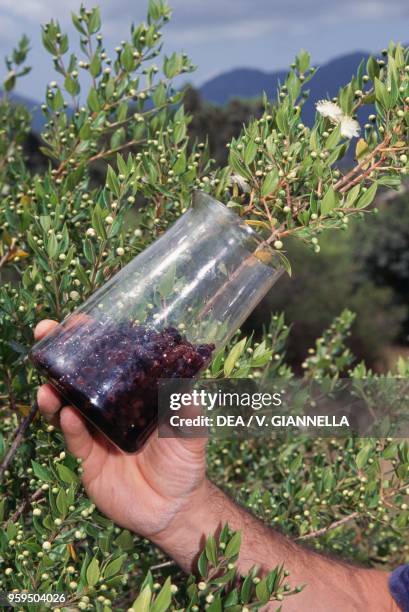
(110, 372)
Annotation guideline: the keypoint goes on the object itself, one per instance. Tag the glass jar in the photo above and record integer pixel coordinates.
(164, 315)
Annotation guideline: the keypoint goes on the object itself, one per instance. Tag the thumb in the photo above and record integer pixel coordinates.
(78, 439)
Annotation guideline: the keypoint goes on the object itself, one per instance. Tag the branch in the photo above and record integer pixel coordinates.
(35, 496)
(320, 532)
(21, 430)
(12, 249)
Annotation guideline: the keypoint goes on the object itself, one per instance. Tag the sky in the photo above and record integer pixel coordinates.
(220, 35)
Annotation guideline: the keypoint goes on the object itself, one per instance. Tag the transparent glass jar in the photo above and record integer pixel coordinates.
(164, 315)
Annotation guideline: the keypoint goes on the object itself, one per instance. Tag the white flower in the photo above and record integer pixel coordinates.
(349, 127)
(241, 182)
(329, 109)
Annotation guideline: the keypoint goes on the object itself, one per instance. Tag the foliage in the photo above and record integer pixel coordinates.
(323, 284)
(385, 255)
(290, 174)
(62, 236)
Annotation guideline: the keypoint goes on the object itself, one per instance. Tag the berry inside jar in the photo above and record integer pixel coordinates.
(110, 371)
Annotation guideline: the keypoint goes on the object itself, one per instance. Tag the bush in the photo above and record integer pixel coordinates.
(63, 234)
(325, 283)
(385, 255)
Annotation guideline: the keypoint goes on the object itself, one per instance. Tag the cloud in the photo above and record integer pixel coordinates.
(219, 34)
(211, 18)
(37, 11)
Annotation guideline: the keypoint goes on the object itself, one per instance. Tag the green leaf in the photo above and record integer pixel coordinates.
(390, 180)
(155, 9)
(250, 152)
(142, 602)
(172, 65)
(167, 282)
(329, 201)
(72, 86)
(52, 245)
(282, 120)
(270, 183)
(180, 164)
(381, 93)
(95, 66)
(246, 589)
(127, 59)
(202, 564)
(61, 502)
(65, 473)
(362, 457)
(93, 100)
(98, 221)
(237, 165)
(352, 195)
(262, 591)
(367, 197)
(41, 472)
(93, 572)
(211, 550)
(114, 566)
(303, 61)
(179, 132)
(159, 95)
(233, 547)
(233, 356)
(10, 81)
(94, 23)
(112, 181)
(77, 24)
(164, 598)
(372, 68)
(334, 138)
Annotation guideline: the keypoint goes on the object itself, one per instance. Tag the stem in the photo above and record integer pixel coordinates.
(320, 532)
(12, 249)
(104, 154)
(18, 438)
(34, 497)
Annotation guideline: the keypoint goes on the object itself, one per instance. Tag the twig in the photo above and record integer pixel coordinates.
(361, 165)
(12, 249)
(160, 565)
(21, 430)
(320, 532)
(34, 497)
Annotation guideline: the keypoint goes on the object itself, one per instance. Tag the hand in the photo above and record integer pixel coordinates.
(147, 493)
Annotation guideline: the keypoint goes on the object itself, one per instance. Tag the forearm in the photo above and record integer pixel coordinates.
(330, 584)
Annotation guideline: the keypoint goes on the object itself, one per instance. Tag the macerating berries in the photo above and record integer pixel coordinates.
(110, 370)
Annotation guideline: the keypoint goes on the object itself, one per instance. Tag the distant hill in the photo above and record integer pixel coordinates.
(33, 107)
(247, 83)
(250, 83)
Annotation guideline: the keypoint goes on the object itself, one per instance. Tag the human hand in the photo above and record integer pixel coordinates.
(148, 493)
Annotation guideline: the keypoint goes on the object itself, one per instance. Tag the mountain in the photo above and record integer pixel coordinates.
(33, 107)
(249, 83)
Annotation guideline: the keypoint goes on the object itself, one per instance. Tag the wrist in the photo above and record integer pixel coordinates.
(202, 515)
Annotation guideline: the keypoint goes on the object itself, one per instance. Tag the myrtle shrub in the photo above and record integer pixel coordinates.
(62, 234)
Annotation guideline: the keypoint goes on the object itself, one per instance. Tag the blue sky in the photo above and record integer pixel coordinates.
(221, 34)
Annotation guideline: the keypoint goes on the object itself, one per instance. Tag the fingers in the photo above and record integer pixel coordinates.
(49, 403)
(78, 439)
(44, 328)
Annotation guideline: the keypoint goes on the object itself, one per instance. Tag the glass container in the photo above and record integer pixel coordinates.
(164, 315)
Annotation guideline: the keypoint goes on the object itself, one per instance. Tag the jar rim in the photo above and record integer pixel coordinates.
(260, 243)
